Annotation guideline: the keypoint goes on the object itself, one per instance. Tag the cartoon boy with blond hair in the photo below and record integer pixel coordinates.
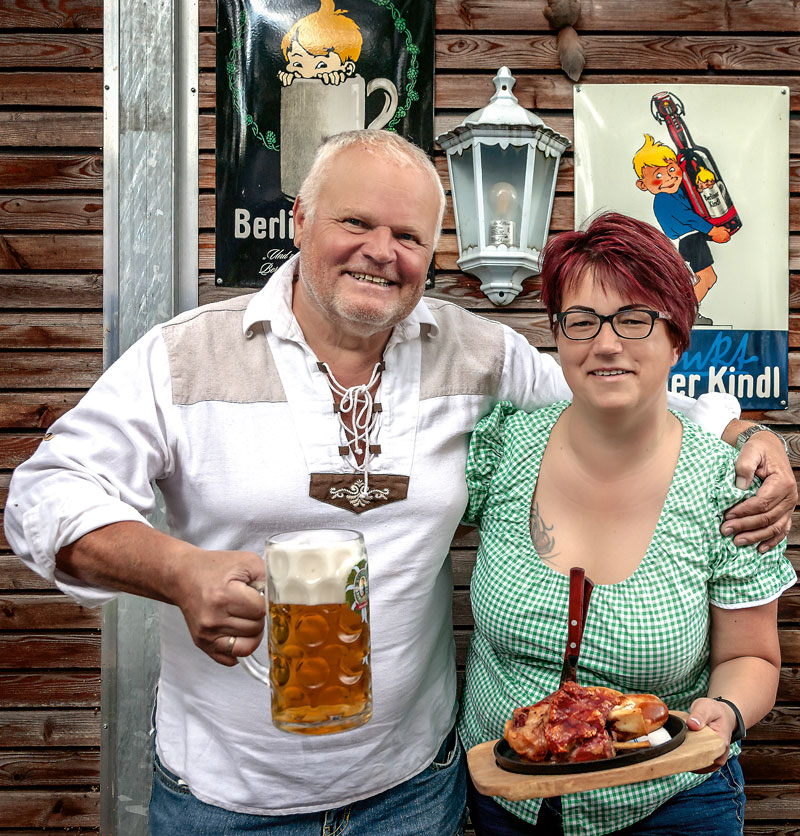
(657, 168)
(323, 45)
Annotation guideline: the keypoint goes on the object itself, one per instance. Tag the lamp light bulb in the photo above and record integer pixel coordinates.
(503, 203)
(503, 200)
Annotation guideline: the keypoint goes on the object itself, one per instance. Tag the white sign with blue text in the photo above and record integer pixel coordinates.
(709, 166)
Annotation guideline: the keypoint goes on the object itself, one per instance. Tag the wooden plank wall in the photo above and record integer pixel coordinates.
(51, 331)
(51, 215)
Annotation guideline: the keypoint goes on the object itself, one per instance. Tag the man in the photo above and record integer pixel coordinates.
(332, 392)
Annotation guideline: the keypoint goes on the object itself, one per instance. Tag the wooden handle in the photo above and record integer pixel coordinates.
(576, 610)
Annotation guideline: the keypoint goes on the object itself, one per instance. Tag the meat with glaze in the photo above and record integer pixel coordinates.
(577, 724)
(525, 731)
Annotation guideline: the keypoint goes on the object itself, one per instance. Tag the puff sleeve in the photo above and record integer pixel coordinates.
(485, 453)
(740, 575)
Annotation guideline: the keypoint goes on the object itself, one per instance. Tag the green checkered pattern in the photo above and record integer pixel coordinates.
(649, 633)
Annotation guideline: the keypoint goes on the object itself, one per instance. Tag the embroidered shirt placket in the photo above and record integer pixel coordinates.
(358, 403)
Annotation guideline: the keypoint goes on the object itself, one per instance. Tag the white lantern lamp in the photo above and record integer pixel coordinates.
(503, 162)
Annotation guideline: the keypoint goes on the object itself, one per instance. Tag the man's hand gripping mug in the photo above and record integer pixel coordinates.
(317, 590)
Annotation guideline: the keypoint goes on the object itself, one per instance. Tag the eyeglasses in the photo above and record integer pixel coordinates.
(634, 324)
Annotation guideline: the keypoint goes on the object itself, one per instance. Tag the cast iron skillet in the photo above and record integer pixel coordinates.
(509, 760)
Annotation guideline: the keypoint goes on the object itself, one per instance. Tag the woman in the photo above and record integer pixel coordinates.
(617, 484)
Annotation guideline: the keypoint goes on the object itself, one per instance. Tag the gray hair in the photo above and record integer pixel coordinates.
(390, 145)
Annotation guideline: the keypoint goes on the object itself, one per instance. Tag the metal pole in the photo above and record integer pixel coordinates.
(149, 275)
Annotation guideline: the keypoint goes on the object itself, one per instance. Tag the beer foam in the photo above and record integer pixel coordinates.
(312, 567)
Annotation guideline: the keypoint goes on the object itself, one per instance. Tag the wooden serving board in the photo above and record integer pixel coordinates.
(700, 749)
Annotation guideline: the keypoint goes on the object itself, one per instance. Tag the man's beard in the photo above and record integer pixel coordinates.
(365, 319)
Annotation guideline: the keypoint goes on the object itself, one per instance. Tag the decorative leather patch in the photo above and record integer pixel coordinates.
(346, 490)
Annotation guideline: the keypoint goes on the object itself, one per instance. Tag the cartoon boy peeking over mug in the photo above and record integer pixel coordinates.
(323, 45)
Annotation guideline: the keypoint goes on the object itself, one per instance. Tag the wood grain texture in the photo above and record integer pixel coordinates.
(49, 808)
(80, 831)
(540, 91)
(51, 290)
(37, 89)
(68, 129)
(51, 330)
(80, 727)
(679, 53)
(782, 723)
(51, 171)
(15, 448)
(770, 763)
(15, 576)
(773, 801)
(34, 410)
(58, 50)
(51, 212)
(605, 53)
(45, 612)
(50, 370)
(722, 16)
(51, 14)
(47, 689)
(56, 767)
(43, 251)
(47, 651)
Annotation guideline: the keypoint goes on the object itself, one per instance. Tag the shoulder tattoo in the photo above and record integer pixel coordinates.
(541, 534)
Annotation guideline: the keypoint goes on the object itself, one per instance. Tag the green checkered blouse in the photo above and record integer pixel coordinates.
(648, 633)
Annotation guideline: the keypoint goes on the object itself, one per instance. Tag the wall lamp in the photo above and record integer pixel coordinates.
(503, 163)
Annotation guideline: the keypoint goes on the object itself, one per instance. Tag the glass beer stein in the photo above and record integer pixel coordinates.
(318, 631)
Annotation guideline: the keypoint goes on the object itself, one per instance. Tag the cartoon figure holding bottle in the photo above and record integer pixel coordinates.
(690, 200)
(658, 172)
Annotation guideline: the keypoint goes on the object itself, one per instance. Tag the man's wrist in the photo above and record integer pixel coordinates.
(733, 429)
(745, 435)
(180, 565)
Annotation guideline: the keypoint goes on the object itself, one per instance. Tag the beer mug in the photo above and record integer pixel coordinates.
(317, 590)
(312, 111)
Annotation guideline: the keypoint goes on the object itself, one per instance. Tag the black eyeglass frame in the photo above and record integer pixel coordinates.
(609, 318)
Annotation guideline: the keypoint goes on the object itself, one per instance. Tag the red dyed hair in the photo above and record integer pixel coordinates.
(634, 258)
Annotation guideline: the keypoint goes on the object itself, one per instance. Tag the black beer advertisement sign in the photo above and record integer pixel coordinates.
(291, 73)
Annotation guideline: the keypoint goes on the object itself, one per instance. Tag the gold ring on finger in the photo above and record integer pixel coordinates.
(231, 643)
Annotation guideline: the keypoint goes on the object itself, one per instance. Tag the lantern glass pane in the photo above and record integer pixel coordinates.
(541, 191)
(504, 192)
(462, 174)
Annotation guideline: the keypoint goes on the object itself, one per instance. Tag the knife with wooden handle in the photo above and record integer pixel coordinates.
(580, 590)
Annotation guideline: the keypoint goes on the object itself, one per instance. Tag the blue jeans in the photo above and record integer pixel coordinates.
(432, 803)
(713, 808)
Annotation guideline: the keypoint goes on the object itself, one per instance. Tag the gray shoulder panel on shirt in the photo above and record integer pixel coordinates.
(211, 359)
(465, 358)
